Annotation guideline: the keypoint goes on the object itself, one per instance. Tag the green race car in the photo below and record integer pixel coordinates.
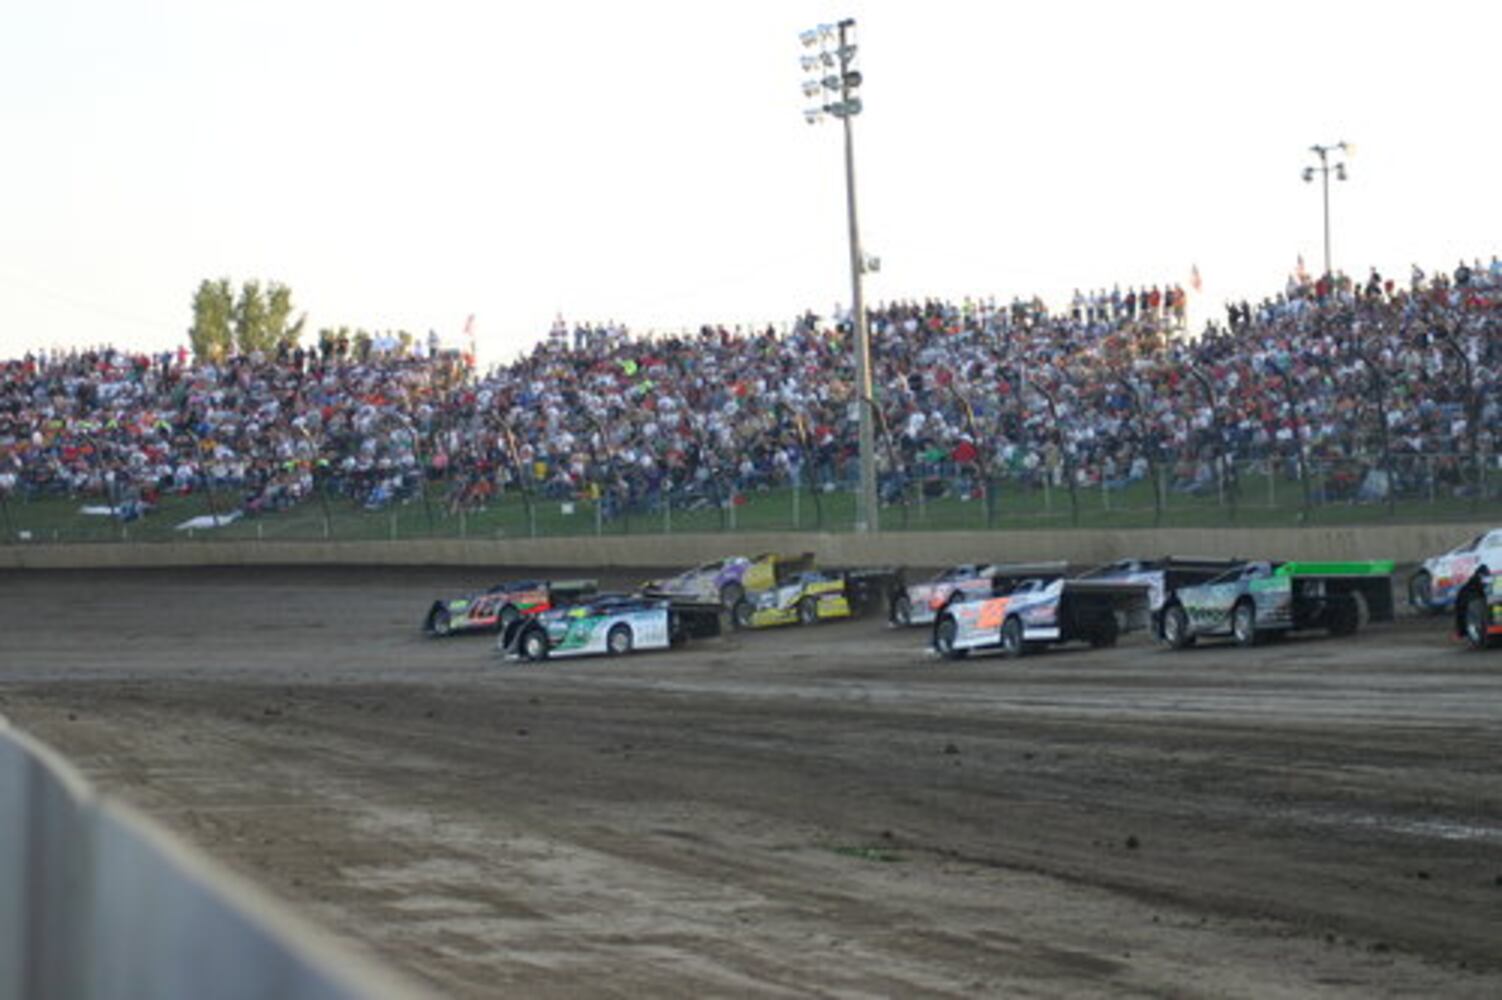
(1255, 599)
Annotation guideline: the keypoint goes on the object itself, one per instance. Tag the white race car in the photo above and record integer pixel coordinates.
(920, 603)
(1434, 586)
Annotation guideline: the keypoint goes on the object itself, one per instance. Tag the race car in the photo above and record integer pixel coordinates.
(1018, 615)
(1258, 598)
(920, 603)
(609, 625)
(728, 580)
(492, 610)
(1162, 576)
(816, 595)
(1478, 612)
(1435, 584)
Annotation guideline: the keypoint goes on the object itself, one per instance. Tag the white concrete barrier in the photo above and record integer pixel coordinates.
(1400, 542)
(96, 902)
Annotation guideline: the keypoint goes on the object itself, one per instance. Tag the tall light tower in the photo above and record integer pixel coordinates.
(831, 57)
(1324, 170)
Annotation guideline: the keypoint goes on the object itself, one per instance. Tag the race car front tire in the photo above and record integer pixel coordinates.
(808, 611)
(534, 645)
(1244, 623)
(439, 622)
(740, 615)
(1011, 638)
(731, 594)
(509, 614)
(1421, 592)
(1176, 628)
(944, 636)
(618, 640)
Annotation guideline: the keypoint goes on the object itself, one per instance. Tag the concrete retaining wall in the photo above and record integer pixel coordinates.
(95, 903)
(1403, 543)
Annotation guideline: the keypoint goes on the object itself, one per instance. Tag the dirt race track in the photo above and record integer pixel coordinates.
(818, 811)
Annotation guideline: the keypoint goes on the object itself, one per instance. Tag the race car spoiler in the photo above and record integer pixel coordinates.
(869, 586)
(573, 590)
(696, 619)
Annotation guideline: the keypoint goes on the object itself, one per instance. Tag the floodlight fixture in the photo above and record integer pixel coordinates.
(1324, 170)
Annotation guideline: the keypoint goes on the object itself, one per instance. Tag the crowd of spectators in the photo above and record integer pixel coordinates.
(1109, 391)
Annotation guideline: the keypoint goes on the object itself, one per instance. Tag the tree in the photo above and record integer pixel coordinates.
(213, 312)
(252, 320)
(279, 312)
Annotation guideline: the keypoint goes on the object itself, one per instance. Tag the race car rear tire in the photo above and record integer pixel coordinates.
(740, 615)
(508, 614)
(534, 645)
(618, 640)
(1244, 623)
(1421, 592)
(808, 611)
(1012, 645)
(1347, 617)
(944, 636)
(439, 622)
(902, 611)
(731, 594)
(1473, 622)
(1106, 634)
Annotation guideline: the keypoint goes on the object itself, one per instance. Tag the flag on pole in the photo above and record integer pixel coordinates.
(469, 338)
(1194, 279)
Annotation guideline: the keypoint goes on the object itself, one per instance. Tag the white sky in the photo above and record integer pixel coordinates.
(405, 165)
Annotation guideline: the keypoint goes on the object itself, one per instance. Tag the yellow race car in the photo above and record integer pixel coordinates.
(816, 595)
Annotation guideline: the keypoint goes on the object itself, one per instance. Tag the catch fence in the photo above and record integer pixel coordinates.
(1282, 491)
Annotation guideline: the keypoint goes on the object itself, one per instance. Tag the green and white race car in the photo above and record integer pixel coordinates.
(609, 625)
(1255, 599)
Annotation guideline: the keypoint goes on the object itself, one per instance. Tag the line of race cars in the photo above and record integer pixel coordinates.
(1012, 608)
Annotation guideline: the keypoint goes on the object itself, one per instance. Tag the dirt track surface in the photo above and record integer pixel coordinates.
(818, 811)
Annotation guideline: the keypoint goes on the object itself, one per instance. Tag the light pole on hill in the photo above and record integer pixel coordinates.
(1324, 170)
(830, 56)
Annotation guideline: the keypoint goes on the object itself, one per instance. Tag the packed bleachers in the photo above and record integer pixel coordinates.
(1104, 393)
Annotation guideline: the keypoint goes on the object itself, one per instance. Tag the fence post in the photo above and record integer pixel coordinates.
(1272, 475)
(599, 516)
(796, 492)
(733, 494)
(667, 512)
(463, 524)
(1429, 477)
(393, 525)
(532, 519)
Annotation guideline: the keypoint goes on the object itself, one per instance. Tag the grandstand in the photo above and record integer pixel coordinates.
(1333, 392)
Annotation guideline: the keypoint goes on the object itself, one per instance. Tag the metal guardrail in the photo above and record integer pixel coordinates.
(97, 902)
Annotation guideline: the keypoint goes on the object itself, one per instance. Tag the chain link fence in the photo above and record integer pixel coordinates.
(1283, 491)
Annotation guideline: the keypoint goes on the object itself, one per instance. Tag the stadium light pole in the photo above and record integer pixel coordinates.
(831, 57)
(1324, 170)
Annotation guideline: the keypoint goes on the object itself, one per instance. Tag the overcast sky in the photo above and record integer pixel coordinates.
(406, 165)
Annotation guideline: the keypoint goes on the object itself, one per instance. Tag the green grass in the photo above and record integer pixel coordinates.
(1279, 504)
